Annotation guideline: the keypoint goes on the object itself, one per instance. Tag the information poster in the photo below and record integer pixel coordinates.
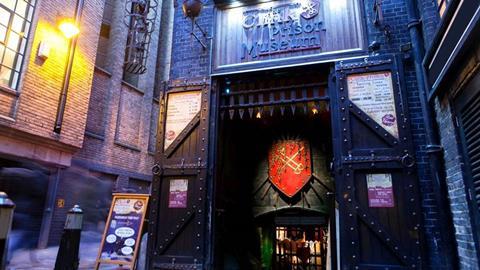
(380, 190)
(373, 94)
(178, 193)
(122, 233)
(181, 109)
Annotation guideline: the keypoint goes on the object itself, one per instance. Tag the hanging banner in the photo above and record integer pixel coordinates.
(177, 197)
(380, 190)
(289, 165)
(373, 94)
(182, 107)
(123, 230)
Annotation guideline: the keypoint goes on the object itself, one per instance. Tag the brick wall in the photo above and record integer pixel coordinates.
(39, 91)
(454, 159)
(121, 122)
(456, 186)
(430, 19)
(188, 61)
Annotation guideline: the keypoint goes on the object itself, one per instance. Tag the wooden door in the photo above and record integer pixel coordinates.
(177, 220)
(376, 182)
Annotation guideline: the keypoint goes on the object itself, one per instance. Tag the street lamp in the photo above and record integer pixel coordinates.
(6, 217)
(69, 28)
(74, 218)
(192, 9)
(67, 256)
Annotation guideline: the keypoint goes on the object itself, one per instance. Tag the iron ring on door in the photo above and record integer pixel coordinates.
(408, 161)
(156, 169)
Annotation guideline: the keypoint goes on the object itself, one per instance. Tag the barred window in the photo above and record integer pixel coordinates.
(442, 6)
(15, 21)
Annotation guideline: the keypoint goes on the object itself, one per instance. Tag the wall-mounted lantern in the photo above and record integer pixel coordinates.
(69, 28)
(192, 9)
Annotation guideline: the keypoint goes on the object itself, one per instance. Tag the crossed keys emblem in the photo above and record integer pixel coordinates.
(289, 161)
(289, 165)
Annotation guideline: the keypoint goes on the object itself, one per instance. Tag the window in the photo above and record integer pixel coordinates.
(104, 38)
(15, 21)
(442, 6)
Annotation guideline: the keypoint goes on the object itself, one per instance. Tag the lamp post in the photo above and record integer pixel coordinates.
(67, 256)
(70, 30)
(6, 217)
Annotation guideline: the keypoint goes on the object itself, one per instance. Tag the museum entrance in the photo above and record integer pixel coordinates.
(274, 190)
(254, 152)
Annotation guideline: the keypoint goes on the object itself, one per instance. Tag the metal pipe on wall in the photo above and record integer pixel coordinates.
(434, 149)
(68, 71)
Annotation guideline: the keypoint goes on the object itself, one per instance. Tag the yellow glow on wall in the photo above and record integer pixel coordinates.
(52, 70)
(68, 28)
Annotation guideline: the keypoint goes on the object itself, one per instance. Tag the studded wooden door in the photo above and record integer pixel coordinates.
(177, 220)
(376, 182)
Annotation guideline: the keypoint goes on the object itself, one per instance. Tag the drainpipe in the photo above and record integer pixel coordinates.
(68, 71)
(434, 149)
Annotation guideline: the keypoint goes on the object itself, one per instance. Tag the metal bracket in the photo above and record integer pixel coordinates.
(204, 34)
(407, 160)
(434, 148)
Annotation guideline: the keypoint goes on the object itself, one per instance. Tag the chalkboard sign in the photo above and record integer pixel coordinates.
(123, 230)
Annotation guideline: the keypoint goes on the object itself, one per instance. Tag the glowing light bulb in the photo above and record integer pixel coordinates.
(68, 28)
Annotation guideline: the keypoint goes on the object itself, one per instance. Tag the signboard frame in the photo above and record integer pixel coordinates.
(372, 92)
(172, 144)
(115, 197)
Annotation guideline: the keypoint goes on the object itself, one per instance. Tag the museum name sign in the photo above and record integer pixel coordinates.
(284, 28)
(285, 31)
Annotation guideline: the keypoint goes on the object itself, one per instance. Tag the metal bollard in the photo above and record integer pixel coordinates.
(67, 256)
(6, 217)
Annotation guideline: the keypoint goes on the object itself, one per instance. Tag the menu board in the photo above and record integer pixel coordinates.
(373, 94)
(380, 190)
(181, 109)
(123, 230)
(178, 193)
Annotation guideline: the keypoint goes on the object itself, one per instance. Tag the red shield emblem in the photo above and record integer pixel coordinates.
(289, 165)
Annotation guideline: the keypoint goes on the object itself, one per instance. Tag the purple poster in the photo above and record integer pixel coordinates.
(178, 193)
(123, 229)
(380, 190)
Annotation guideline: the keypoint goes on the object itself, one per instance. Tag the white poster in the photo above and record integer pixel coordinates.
(181, 109)
(373, 94)
(380, 190)
(178, 193)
